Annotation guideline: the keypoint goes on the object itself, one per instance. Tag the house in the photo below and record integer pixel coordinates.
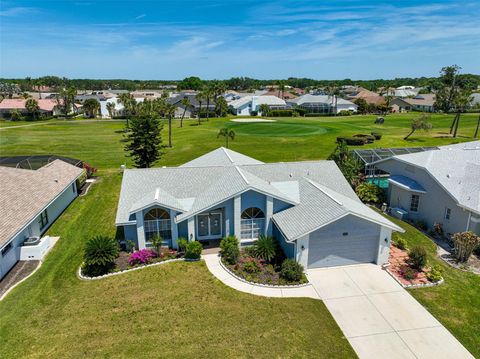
(248, 105)
(322, 104)
(423, 103)
(118, 111)
(369, 96)
(278, 93)
(438, 186)
(194, 107)
(307, 206)
(47, 107)
(30, 201)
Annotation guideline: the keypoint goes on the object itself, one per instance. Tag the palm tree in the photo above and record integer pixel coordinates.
(111, 108)
(227, 133)
(66, 99)
(129, 103)
(32, 107)
(476, 130)
(185, 103)
(169, 113)
(207, 92)
(264, 109)
(91, 107)
(199, 97)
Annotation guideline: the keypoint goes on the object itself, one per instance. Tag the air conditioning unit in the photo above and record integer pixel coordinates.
(399, 213)
(31, 241)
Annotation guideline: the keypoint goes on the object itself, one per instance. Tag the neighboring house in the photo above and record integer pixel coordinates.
(308, 207)
(48, 107)
(30, 201)
(247, 105)
(323, 104)
(438, 186)
(475, 100)
(193, 108)
(423, 103)
(278, 93)
(369, 96)
(119, 108)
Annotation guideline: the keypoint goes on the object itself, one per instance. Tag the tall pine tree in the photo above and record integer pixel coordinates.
(144, 141)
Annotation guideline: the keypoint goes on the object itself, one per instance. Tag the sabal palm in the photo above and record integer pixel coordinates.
(185, 103)
(110, 108)
(199, 97)
(169, 113)
(32, 107)
(227, 133)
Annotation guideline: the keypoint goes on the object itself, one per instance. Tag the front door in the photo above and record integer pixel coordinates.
(209, 225)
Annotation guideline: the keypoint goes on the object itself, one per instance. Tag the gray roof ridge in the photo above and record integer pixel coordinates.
(227, 154)
(242, 175)
(319, 187)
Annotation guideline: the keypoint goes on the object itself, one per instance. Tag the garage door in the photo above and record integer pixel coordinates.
(335, 250)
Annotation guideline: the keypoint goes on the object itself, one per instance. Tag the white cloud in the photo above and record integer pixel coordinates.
(17, 11)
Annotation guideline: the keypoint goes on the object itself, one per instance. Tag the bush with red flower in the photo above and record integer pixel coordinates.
(143, 256)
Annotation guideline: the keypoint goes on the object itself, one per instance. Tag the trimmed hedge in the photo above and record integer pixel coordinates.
(367, 138)
(280, 113)
(352, 141)
(377, 135)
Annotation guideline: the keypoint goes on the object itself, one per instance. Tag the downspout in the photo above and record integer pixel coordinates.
(468, 221)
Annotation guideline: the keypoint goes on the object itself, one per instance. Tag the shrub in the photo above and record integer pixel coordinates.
(143, 256)
(421, 224)
(265, 248)
(409, 273)
(251, 266)
(344, 113)
(377, 135)
(400, 243)
(352, 141)
(464, 244)
(369, 193)
(157, 242)
(89, 169)
(193, 250)
(367, 138)
(182, 244)
(291, 270)
(435, 274)
(316, 114)
(130, 245)
(229, 249)
(99, 255)
(417, 257)
(281, 113)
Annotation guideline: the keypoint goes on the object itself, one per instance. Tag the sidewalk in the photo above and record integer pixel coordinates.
(213, 264)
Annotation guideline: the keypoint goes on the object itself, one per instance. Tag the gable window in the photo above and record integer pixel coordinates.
(6, 249)
(448, 213)
(415, 199)
(43, 219)
(252, 223)
(157, 223)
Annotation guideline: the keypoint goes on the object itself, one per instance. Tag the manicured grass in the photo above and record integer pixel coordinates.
(175, 310)
(285, 140)
(456, 303)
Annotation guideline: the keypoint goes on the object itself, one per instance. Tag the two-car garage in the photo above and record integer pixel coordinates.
(350, 240)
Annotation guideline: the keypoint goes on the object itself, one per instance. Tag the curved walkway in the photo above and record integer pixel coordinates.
(213, 263)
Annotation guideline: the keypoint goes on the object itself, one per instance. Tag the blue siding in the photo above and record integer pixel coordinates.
(288, 248)
(130, 233)
(279, 206)
(183, 229)
(253, 199)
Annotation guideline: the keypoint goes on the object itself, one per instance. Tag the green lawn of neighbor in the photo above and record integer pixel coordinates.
(455, 303)
(175, 310)
(180, 309)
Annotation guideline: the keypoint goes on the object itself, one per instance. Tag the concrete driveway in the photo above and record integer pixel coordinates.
(379, 317)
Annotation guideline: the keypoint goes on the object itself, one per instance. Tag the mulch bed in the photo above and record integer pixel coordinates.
(398, 263)
(121, 263)
(21, 270)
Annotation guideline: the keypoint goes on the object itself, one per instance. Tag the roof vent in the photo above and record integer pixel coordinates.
(291, 174)
(448, 176)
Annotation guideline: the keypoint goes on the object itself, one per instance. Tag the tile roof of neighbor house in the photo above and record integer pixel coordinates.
(25, 193)
(259, 100)
(325, 99)
(370, 97)
(423, 99)
(286, 95)
(316, 190)
(19, 104)
(456, 168)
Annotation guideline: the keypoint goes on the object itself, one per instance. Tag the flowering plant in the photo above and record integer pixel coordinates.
(143, 256)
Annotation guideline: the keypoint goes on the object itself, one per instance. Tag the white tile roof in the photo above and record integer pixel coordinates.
(308, 186)
(455, 167)
(258, 100)
(221, 157)
(319, 99)
(25, 193)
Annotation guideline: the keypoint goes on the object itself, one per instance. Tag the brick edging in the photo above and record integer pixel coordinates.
(260, 284)
(83, 277)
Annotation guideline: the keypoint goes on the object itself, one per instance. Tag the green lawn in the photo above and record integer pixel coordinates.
(180, 309)
(456, 303)
(176, 310)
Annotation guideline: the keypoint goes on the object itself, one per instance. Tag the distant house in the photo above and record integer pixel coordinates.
(193, 109)
(322, 104)
(369, 96)
(438, 186)
(48, 107)
(286, 94)
(30, 201)
(247, 105)
(423, 103)
(475, 100)
(308, 207)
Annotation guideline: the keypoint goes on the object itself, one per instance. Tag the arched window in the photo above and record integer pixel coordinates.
(156, 213)
(252, 223)
(157, 222)
(252, 212)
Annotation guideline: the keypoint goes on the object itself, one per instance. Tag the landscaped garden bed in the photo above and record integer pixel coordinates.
(103, 256)
(409, 267)
(263, 263)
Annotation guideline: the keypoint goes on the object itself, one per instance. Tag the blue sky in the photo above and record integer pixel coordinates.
(220, 39)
